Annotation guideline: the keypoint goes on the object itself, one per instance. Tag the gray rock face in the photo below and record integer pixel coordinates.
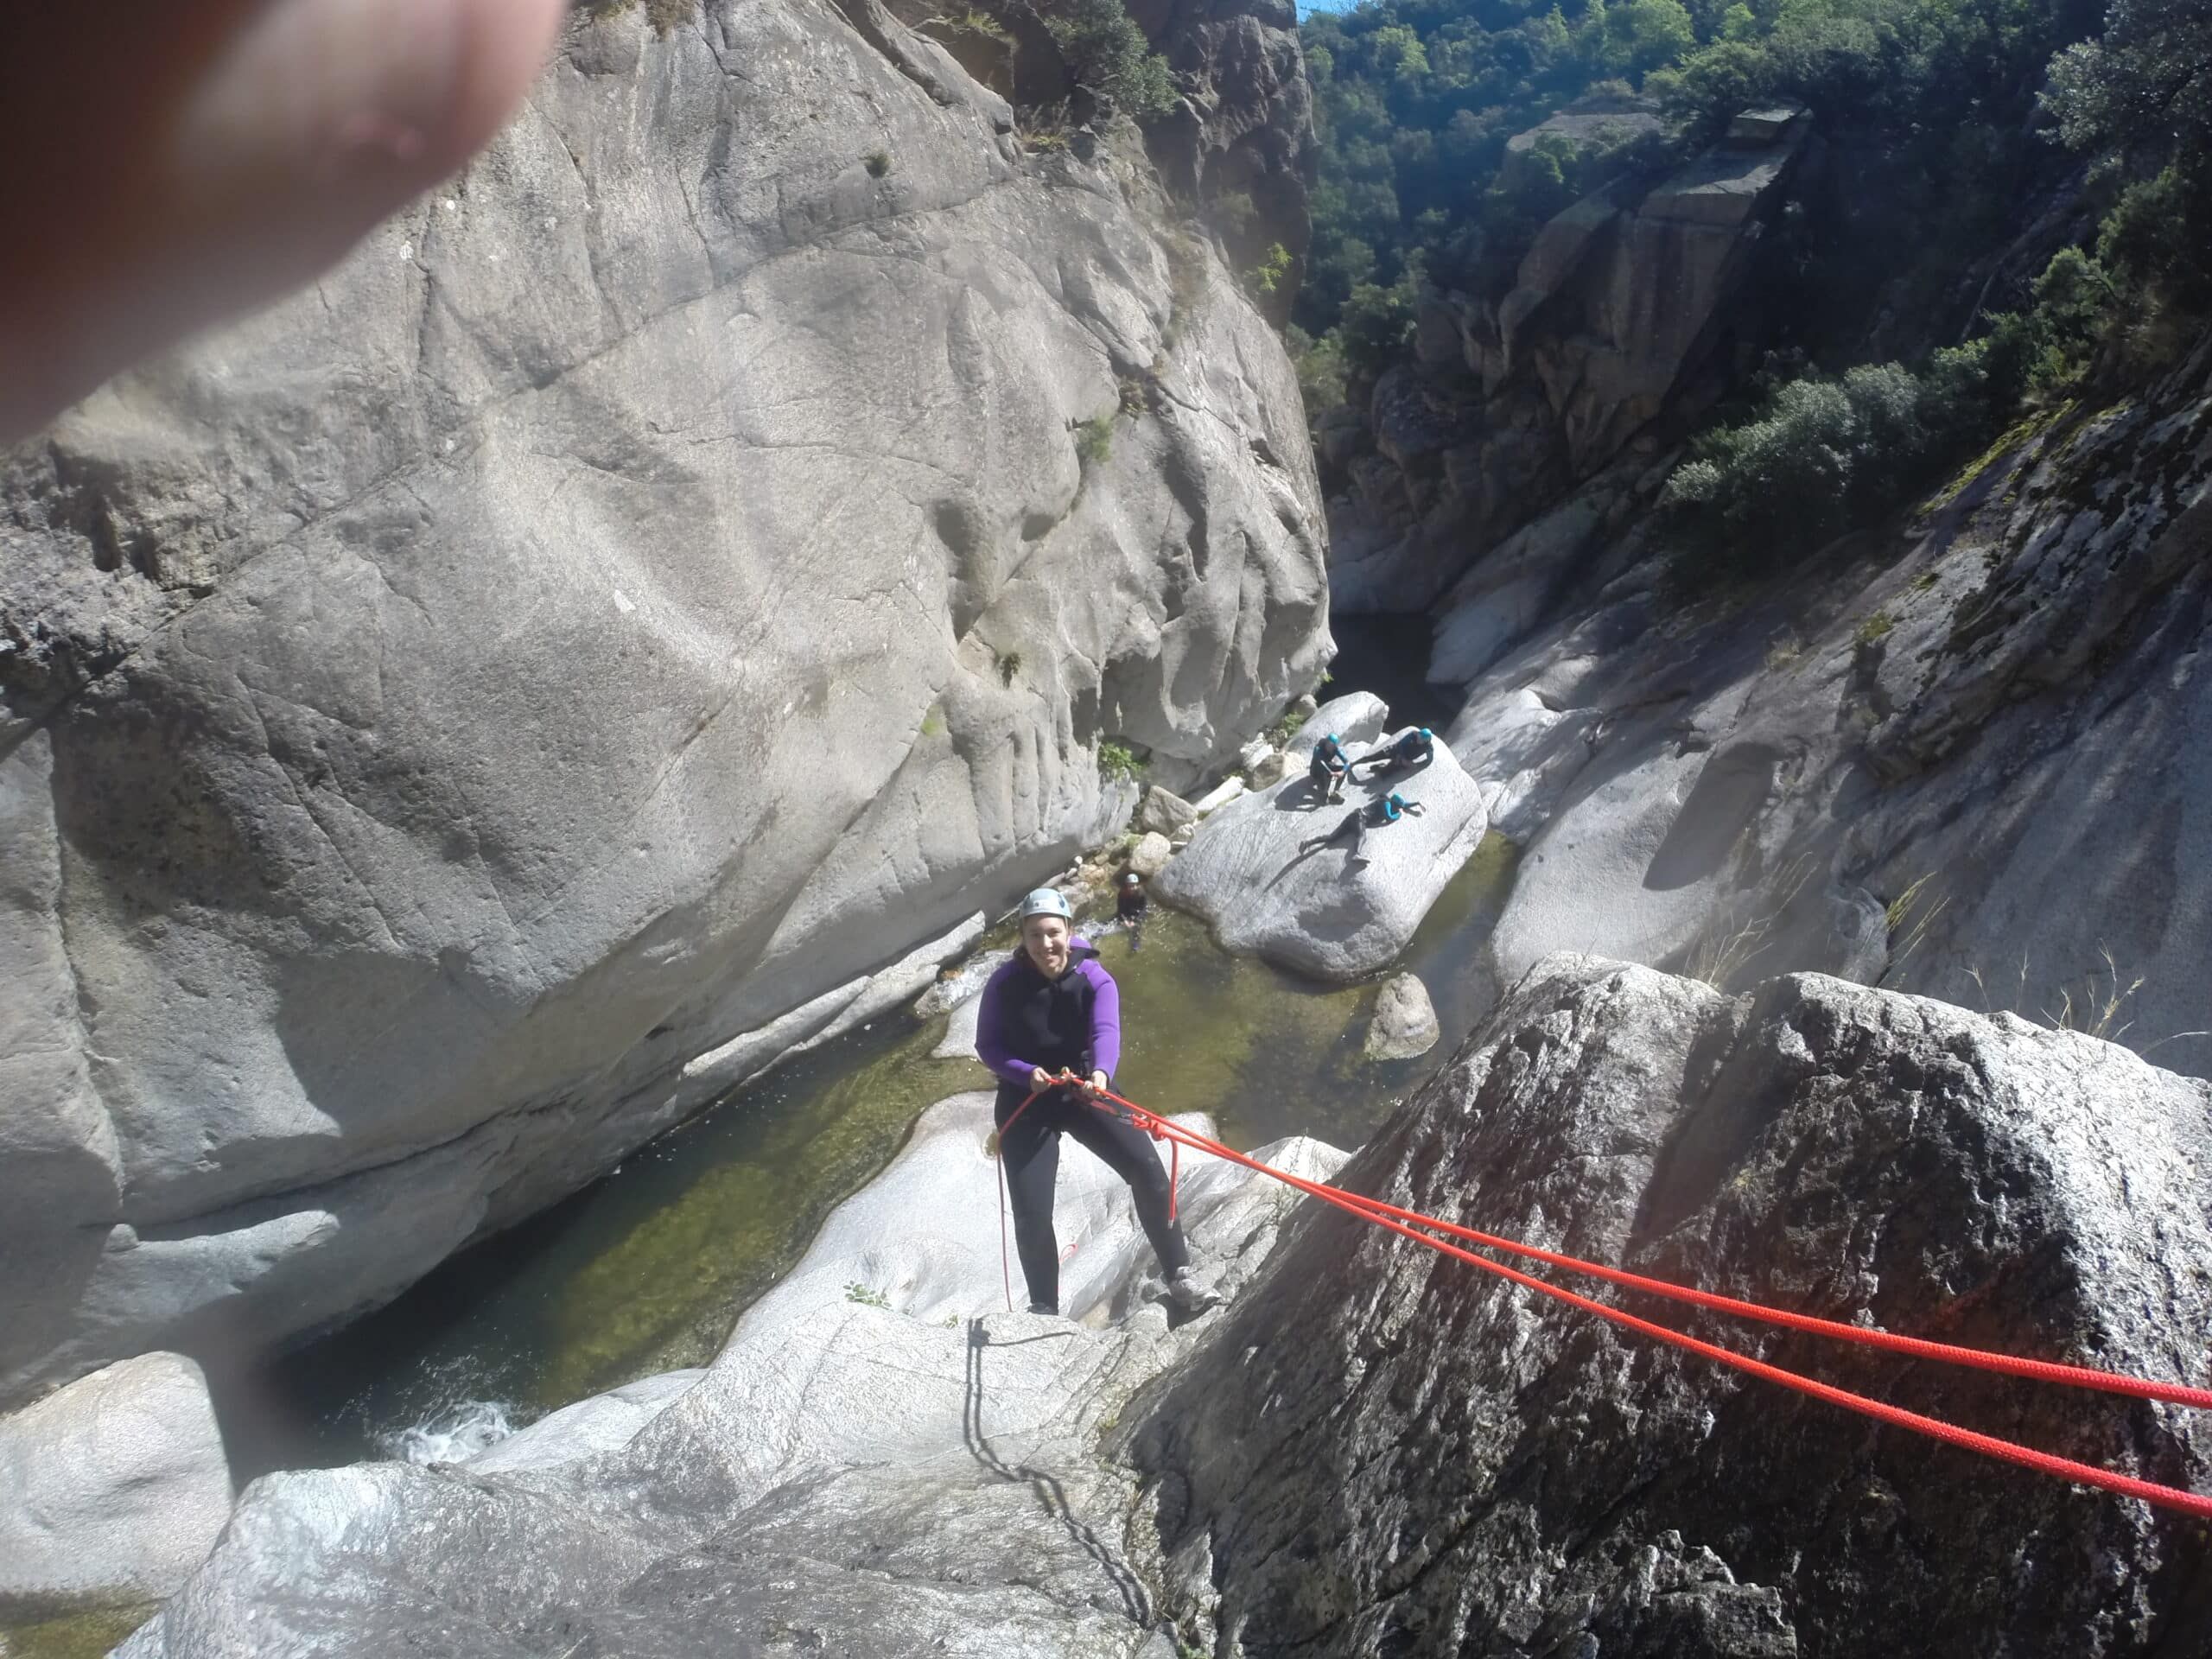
(880, 1462)
(1273, 872)
(1612, 319)
(1372, 1451)
(1150, 855)
(602, 1423)
(1382, 1452)
(1163, 813)
(1972, 771)
(1248, 135)
(651, 585)
(111, 1489)
(1403, 1024)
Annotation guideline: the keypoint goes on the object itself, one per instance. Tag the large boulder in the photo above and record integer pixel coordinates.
(112, 1489)
(1274, 874)
(1382, 1452)
(1404, 1022)
(881, 1462)
(652, 584)
(1162, 812)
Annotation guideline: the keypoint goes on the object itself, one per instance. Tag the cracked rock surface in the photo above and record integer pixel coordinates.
(1382, 1452)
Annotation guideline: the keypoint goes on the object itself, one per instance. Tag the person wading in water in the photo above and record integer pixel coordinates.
(1054, 1008)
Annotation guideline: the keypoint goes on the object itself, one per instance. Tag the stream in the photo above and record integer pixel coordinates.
(648, 1268)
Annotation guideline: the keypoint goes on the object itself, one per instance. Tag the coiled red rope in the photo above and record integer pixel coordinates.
(1404, 1223)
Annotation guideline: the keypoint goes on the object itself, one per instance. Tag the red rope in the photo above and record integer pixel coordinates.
(1393, 1218)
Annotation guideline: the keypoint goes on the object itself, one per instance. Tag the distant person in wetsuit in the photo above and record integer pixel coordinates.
(1131, 906)
(1329, 768)
(1054, 1008)
(1414, 749)
(1362, 821)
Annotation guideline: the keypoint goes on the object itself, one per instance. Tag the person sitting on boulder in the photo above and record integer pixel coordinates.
(1131, 906)
(1361, 820)
(1052, 1009)
(1329, 768)
(1414, 749)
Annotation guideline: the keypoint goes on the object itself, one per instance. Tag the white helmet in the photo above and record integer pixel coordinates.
(1046, 902)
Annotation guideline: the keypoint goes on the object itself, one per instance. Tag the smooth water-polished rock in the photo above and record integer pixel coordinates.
(1373, 1450)
(882, 1461)
(1273, 873)
(601, 1423)
(1386, 1451)
(651, 585)
(112, 1489)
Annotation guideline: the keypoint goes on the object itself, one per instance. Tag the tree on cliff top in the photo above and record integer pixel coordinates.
(1109, 54)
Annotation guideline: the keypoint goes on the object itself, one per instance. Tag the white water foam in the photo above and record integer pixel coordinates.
(454, 1434)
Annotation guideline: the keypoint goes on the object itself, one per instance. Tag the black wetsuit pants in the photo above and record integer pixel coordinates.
(1031, 1153)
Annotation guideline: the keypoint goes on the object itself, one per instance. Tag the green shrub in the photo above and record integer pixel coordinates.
(1094, 439)
(1320, 366)
(878, 163)
(1009, 665)
(1272, 272)
(867, 1296)
(1117, 761)
(1376, 323)
(969, 21)
(662, 15)
(1823, 456)
(1108, 53)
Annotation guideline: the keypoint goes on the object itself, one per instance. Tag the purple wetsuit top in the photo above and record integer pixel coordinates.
(1028, 1021)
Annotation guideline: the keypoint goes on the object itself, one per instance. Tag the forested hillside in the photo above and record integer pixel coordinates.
(2014, 199)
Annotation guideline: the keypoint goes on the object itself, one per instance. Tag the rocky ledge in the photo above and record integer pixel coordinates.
(1375, 1450)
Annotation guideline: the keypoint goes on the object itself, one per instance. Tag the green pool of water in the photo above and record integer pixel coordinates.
(647, 1269)
(72, 1635)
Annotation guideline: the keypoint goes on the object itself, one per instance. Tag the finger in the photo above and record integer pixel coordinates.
(213, 154)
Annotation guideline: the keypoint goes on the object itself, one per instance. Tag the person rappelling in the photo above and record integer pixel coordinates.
(1051, 1025)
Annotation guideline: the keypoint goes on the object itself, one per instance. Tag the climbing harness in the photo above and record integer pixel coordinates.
(1404, 1222)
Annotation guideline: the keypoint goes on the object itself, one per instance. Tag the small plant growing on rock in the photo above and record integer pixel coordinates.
(662, 15)
(1288, 726)
(970, 20)
(1272, 271)
(1094, 439)
(1009, 665)
(867, 1295)
(1875, 628)
(878, 163)
(1117, 761)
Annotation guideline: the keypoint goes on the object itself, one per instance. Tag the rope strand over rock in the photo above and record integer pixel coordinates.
(1405, 1222)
